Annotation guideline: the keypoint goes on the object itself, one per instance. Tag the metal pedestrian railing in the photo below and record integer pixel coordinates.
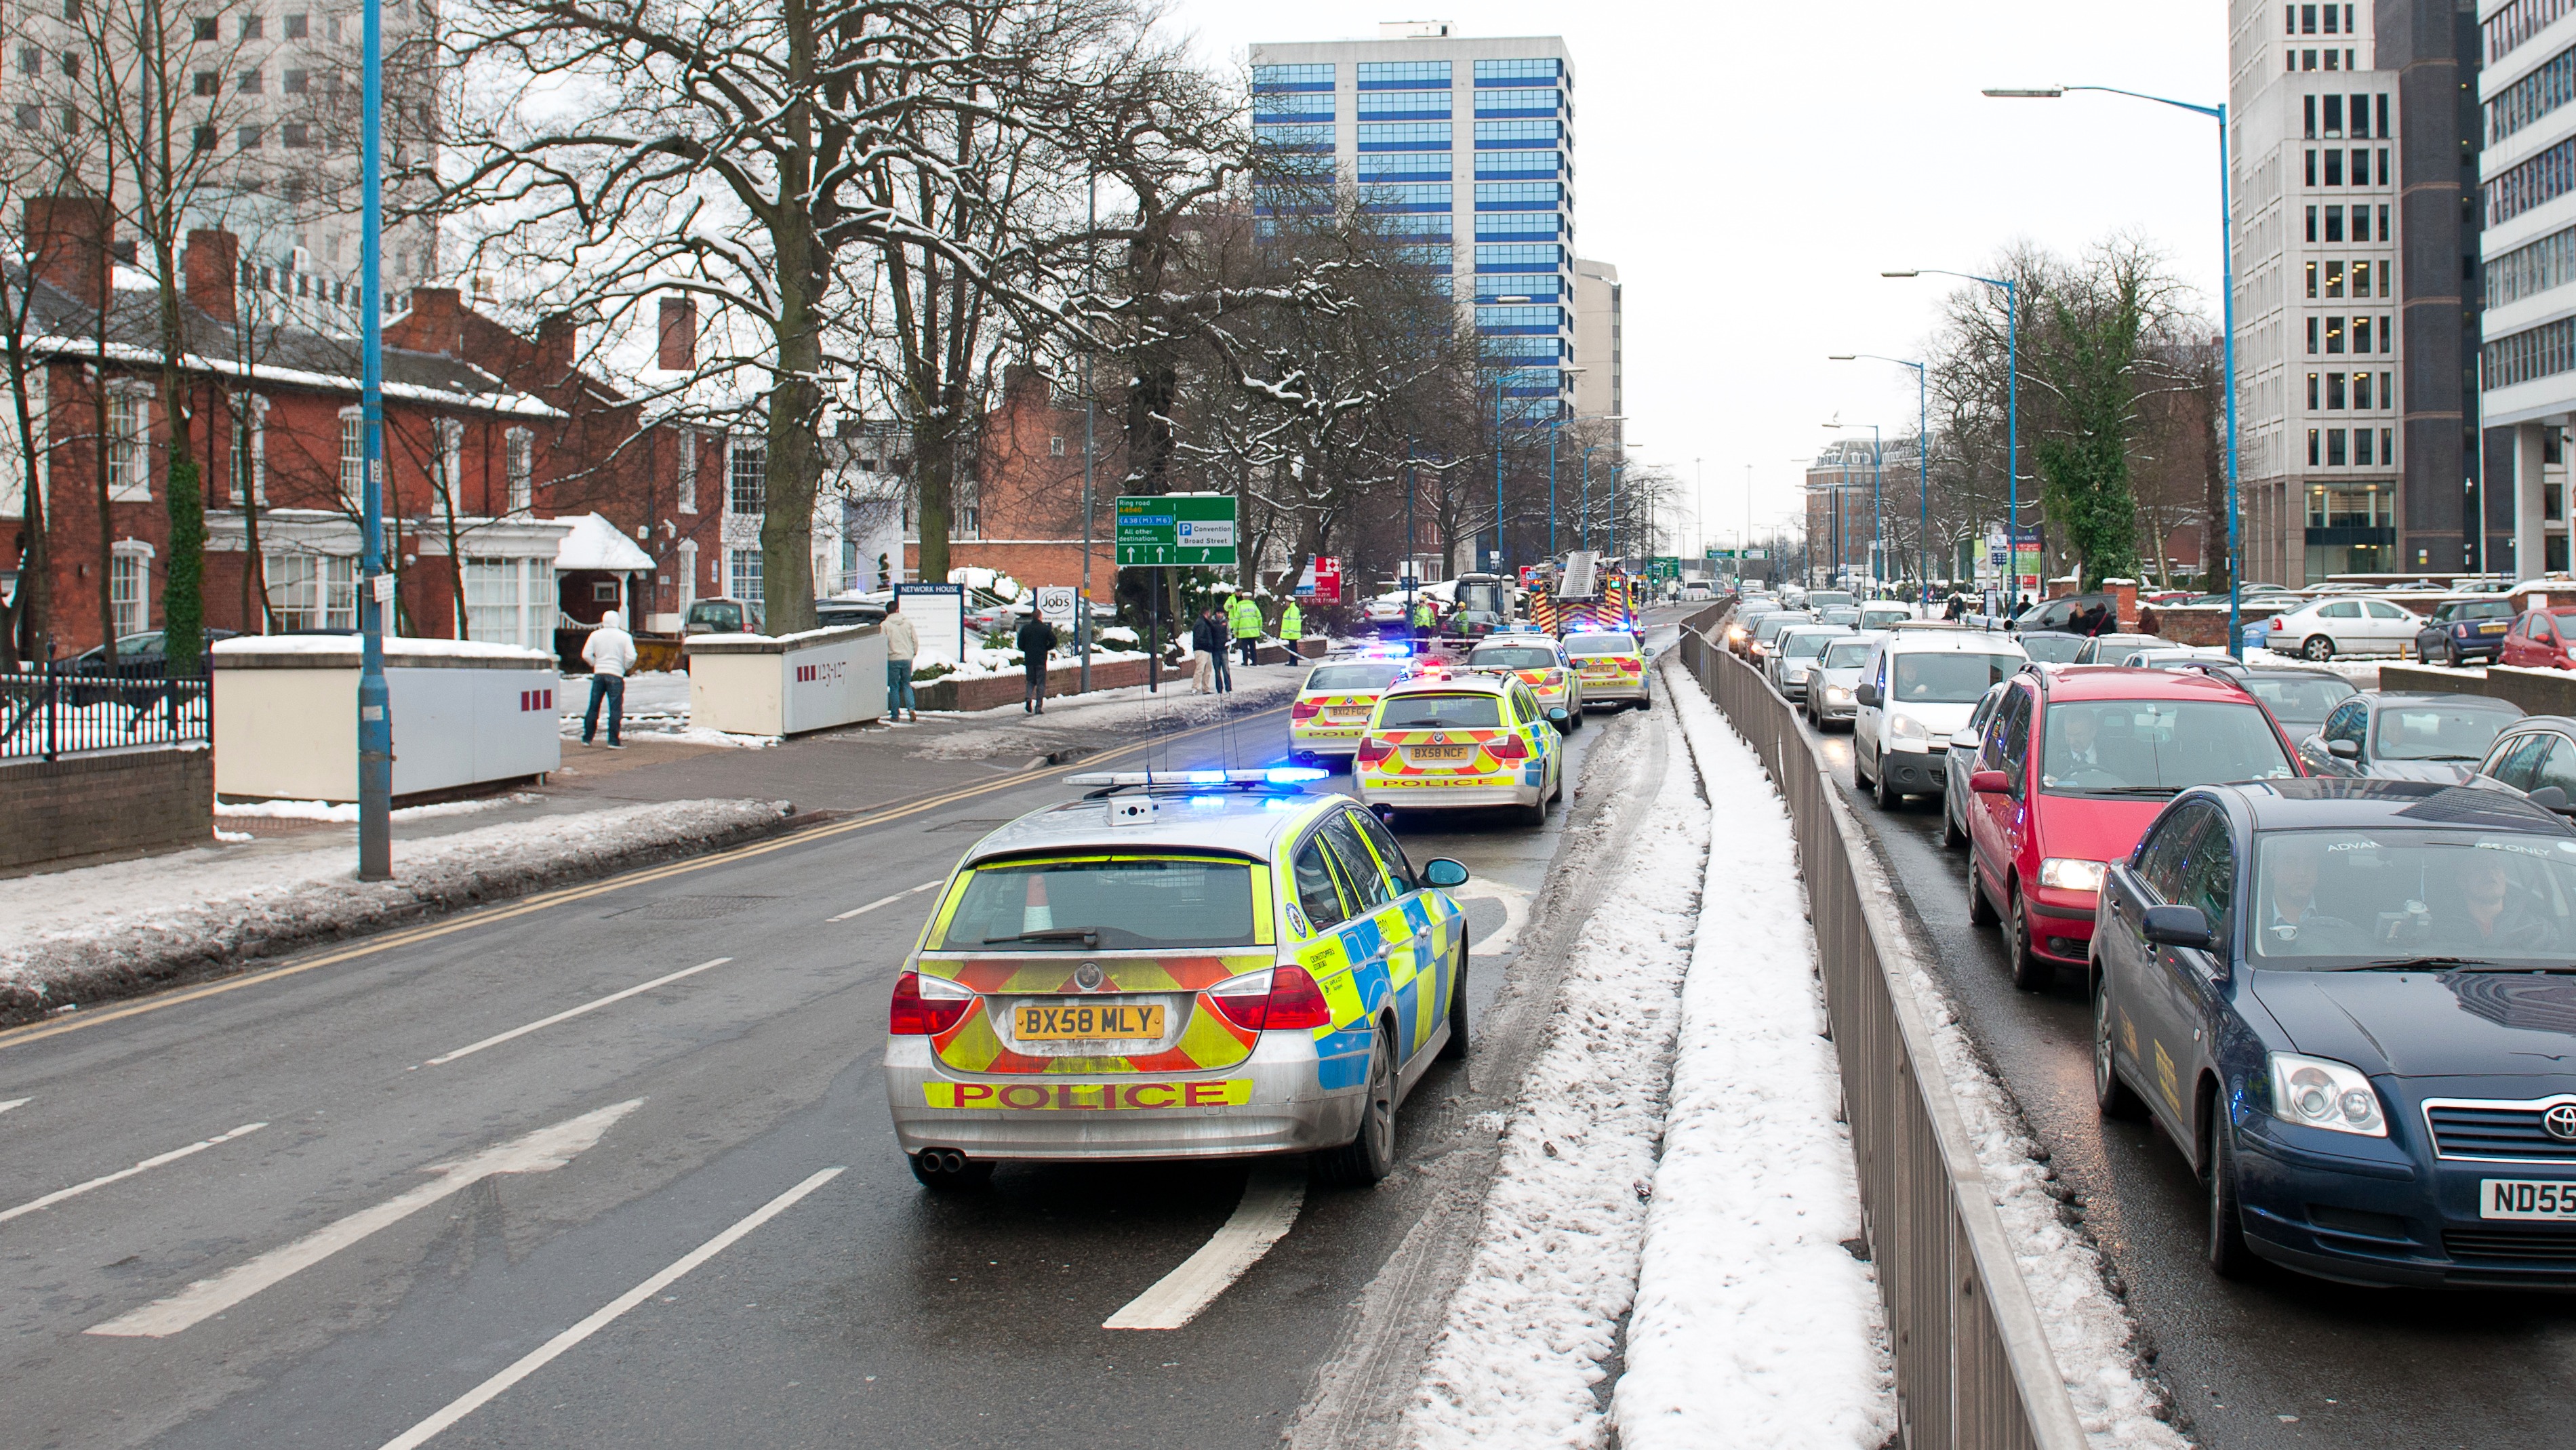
(48, 715)
(1973, 1367)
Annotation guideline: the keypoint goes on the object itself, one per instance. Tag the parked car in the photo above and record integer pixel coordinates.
(721, 616)
(2406, 735)
(2052, 646)
(2074, 614)
(2337, 997)
(2460, 631)
(138, 658)
(2539, 639)
(2111, 647)
(830, 613)
(1833, 678)
(1793, 656)
(2323, 628)
(2073, 767)
(1916, 691)
(1959, 763)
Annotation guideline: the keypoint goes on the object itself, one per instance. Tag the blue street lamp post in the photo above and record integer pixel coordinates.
(2012, 418)
(1587, 485)
(2227, 321)
(375, 716)
(1922, 463)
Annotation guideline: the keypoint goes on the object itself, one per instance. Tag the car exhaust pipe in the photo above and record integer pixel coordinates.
(943, 1160)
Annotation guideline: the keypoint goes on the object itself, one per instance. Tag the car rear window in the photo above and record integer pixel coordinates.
(1376, 675)
(1848, 654)
(2450, 730)
(1947, 678)
(1124, 902)
(2052, 649)
(1513, 657)
(1440, 712)
(2301, 702)
(1585, 646)
(2156, 747)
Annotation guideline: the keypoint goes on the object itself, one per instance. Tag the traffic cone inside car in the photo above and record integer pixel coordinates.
(1035, 914)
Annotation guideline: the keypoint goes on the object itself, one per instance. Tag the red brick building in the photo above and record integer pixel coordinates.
(1020, 507)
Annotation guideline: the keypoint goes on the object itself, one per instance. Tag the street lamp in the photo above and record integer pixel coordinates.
(2012, 415)
(375, 709)
(1555, 426)
(1877, 503)
(2227, 316)
(1922, 462)
(1587, 482)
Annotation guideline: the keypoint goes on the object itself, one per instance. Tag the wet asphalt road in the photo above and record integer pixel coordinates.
(867, 1313)
(2284, 1360)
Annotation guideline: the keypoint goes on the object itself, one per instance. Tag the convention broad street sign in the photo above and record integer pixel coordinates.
(1176, 529)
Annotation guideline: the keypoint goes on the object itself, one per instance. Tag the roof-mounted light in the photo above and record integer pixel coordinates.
(1104, 782)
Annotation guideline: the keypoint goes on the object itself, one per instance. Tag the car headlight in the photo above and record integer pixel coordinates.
(1735, 632)
(2319, 1092)
(1837, 695)
(1906, 727)
(2069, 874)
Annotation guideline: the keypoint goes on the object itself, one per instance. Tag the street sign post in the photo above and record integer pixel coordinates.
(1176, 530)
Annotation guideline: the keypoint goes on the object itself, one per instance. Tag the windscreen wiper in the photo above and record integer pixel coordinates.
(2130, 789)
(2407, 964)
(1087, 935)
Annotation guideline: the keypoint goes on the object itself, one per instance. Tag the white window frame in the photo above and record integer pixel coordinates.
(451, 459)
(519, 460)
(734, 575)
(688, 574)
(129, 442)
(257, 408)
(736, 450)
(508, 600)
(686, 483)
(130, 614)
(353, 453)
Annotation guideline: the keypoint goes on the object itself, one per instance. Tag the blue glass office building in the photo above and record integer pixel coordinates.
(1466, 147)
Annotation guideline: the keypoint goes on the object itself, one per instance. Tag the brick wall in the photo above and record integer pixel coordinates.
(124, 801)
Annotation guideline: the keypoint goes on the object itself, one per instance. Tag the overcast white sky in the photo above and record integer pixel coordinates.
(1752, 168)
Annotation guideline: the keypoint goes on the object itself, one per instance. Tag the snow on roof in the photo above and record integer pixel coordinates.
(595, 543)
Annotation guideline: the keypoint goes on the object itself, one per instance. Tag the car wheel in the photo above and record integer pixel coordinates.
(1879, 791)
(1370, 1154)
(1455, 1049)
(1981, 908)
(1556, 791)
(2450, 655)
(2030, 971)
(2318, 648)
(2112, 1096)
(1952, 837)
(1860, 777)
(945, 1170)
(2229, 1256)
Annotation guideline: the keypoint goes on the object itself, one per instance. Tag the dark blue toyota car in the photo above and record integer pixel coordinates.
(2354, 1003)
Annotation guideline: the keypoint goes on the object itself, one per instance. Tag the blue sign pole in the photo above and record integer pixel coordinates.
(375, 715)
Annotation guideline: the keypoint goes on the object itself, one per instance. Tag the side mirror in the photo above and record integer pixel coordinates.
(1965, 740)
(2179, 926)
(1867, 695)
(2551, 798)
(1989, 782)
(1443, 873)
(1557, 714)
(2344, 749)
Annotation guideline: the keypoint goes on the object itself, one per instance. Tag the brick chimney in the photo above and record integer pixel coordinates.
(437, 322)
(212, 267)
(555, 342)
(67, 238)
(679, 334)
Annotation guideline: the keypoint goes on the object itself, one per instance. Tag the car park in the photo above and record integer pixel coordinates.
(1757, 649)
(1612, 665)
(2464, 631)
(2404, 735)
(2323, 628)
(1794, 653)
(1334, 702)
(1192, 965)
(1446, 740)
(2539, 639)
(2111, 646)
(1834, 677)
(2339, 999)
(2073, 767)
(1916, 691)
(1538, 661)
(1959, 762)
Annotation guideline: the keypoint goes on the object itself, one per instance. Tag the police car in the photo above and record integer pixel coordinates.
(1538, 661)
(1611, 666)
(1184, 964)
(1447, 740)
(1333, 705)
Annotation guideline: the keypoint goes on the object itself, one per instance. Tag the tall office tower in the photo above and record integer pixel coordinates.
(1468, 145)
(1599, 390)
(2527, 201)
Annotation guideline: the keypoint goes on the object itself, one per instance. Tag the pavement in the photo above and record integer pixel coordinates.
(616, 1159)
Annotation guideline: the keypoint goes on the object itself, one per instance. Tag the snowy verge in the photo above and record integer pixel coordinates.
(1530, 1327)
(1754, 1325)
(101, 932)
(346, 811)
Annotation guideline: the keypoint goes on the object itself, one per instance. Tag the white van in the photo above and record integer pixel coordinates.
(1918, 689)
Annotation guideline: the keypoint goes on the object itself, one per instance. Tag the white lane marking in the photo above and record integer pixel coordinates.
(1271, 1197)
(147, 1165)
(1516, 908)
(568, 1014)
(15, 1103)
(883, 901)
(542, 1151)
(537, 1359)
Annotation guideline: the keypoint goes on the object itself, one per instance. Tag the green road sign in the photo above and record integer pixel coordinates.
(1174, 529)
(1664, 566)
(1717, 553)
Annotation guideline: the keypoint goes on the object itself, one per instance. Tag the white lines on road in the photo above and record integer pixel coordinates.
(568, 1014)
(1271, 1197)
(538, 1358)
(884, 901)
(1515, 903)
(15, 1103)
(147, 1165)
(539, 1152)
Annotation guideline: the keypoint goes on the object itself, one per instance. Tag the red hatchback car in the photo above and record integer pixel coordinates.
(2542, 639)
(2074, 766)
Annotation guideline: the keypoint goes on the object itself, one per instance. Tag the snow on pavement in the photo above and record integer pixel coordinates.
(78, 935)
(1754, 1326)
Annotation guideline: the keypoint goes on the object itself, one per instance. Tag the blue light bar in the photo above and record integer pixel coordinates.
(1295, 774)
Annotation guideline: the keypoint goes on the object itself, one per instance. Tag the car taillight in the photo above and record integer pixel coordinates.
(1507, 748)
(1373, 750)
(1304, 709)
(926, 1006)
(1280, 999)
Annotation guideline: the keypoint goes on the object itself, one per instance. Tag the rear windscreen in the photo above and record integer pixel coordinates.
(1585, 646)
(1137, 903)
(1513, 657)
(1375, 675)
(1440, 712)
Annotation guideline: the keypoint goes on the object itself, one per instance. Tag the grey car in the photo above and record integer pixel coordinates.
(1794, 652)
(1962, 760)
(1757, 650)
(2406, 735)
(1831, 679)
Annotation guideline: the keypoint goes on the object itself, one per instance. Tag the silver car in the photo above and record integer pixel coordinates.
(1189, 964)
(1962, 760)
(1831, 679)
(1794, 653)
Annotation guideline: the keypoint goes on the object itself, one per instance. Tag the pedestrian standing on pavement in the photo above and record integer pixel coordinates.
(1217, 652)
(1292, 627)
(1247, 628)
(902, 643)
(1036, 640)
(610, 652)
(1207, 649)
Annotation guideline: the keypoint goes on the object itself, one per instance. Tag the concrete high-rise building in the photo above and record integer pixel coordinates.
(2526, 171)
(1467, 143)
(1600, 390)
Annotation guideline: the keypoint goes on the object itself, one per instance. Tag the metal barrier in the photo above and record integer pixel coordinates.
(50, 715)
(1973, 1367)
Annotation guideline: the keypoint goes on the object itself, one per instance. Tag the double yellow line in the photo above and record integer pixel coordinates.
(547, 900)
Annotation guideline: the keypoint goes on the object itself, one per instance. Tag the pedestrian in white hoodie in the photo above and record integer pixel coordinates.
(610, 652)
(902, 643)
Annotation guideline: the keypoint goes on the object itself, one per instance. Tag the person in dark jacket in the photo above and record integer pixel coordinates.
(1036, 640)
(1208, 640)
